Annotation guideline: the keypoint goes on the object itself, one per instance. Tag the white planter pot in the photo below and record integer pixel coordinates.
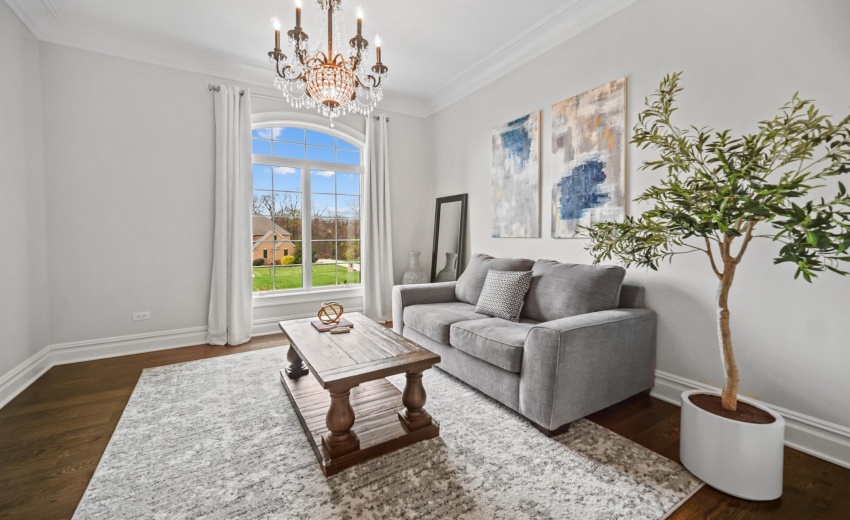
(742, 459)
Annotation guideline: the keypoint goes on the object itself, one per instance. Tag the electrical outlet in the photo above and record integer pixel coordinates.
(138, 316)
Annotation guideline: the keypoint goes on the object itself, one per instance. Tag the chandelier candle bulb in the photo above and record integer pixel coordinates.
(378, 47)
(359, 22)
(297, 13)
(276, 24)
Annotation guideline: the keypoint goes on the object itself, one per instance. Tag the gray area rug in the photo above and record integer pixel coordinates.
(218, 438)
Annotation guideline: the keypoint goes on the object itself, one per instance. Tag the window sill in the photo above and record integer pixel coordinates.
(312, 296)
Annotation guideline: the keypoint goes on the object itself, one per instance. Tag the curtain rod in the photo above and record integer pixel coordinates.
(217, 88)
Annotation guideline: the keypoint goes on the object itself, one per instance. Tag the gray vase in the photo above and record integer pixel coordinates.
(449, 273)
(414, 273)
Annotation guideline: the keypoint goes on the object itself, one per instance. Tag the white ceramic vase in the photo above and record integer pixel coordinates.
(742, 459)
(414, 273)
(449, 273)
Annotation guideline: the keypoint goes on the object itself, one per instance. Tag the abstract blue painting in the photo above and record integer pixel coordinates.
(589, 159)
(516, 178)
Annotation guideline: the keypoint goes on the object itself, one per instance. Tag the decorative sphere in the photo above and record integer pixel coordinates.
(331, 312)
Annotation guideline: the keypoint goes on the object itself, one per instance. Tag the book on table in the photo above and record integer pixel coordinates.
(325, 327)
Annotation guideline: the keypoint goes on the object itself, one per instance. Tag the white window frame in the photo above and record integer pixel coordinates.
(307, 292)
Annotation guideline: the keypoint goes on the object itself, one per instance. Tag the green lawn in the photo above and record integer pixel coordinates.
(290, 277)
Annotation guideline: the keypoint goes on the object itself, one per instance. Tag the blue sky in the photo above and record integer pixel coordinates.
(333, 193)
(296, 143)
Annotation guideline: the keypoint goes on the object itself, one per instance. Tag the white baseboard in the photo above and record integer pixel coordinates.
(15, 381)
(88, 350)
(26, 373)
(822, 439)
(268, 326)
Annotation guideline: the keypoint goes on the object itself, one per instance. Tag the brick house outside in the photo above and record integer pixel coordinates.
(271, 242)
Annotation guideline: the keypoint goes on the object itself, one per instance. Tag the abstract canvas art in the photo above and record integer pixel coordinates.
(589, 159)
(516, 178)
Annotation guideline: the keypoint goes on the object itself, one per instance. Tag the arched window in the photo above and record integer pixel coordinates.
(307, 186)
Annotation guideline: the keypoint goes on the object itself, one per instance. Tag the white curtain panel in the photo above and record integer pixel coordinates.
(377, 250)
(231, 311)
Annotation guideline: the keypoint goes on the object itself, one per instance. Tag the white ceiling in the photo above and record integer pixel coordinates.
(437, 50)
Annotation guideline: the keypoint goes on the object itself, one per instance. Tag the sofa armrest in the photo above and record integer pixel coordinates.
(575, 366)
(417, 294)
(613, 318)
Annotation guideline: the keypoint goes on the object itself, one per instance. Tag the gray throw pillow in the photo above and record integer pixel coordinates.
(562, 290)
(503, 294)
(470, 283)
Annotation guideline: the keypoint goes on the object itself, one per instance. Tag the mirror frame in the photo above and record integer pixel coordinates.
(462, 198)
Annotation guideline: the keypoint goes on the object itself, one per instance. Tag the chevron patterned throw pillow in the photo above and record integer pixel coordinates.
(503, 294)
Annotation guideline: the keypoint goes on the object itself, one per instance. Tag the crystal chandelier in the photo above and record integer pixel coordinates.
(313, 77)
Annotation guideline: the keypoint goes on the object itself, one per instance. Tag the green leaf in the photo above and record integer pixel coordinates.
(810, 236)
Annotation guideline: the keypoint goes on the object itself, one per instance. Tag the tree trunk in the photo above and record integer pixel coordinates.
(729, 398)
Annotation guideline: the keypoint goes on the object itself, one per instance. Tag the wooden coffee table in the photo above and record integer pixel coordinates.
(347, 384)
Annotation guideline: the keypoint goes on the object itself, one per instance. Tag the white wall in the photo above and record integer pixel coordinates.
(413, 190)
(23, 245)
(742, 61)
(129, 160)
(129, 156)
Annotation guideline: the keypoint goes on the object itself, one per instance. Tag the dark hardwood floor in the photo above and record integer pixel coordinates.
(53, 434)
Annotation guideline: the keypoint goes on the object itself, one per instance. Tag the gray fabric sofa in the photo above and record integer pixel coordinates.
(584, 341)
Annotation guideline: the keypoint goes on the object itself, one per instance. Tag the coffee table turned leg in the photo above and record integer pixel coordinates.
(414, 416)
(340, 440)
(296, 367)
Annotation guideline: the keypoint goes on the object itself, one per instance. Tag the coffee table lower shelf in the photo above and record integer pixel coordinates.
(376, 405)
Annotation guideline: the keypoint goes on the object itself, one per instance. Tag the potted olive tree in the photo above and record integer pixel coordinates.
(718, 193)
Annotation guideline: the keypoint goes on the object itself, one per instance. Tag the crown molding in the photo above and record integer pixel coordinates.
(35, 14)
(572, 18)
(102, 40)
(403, 103)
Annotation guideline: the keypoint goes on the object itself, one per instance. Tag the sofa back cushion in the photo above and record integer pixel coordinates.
(632, 297)
(563, 290)
(469, 284)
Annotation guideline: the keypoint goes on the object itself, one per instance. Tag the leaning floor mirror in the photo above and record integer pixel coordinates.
(449, 238)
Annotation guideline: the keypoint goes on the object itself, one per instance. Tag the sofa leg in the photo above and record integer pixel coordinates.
(551, 433)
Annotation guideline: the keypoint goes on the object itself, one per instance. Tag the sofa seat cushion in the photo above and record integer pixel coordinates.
(435, 319)
(494, 340)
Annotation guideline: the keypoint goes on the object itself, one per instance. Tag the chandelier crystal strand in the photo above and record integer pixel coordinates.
(320, 73)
